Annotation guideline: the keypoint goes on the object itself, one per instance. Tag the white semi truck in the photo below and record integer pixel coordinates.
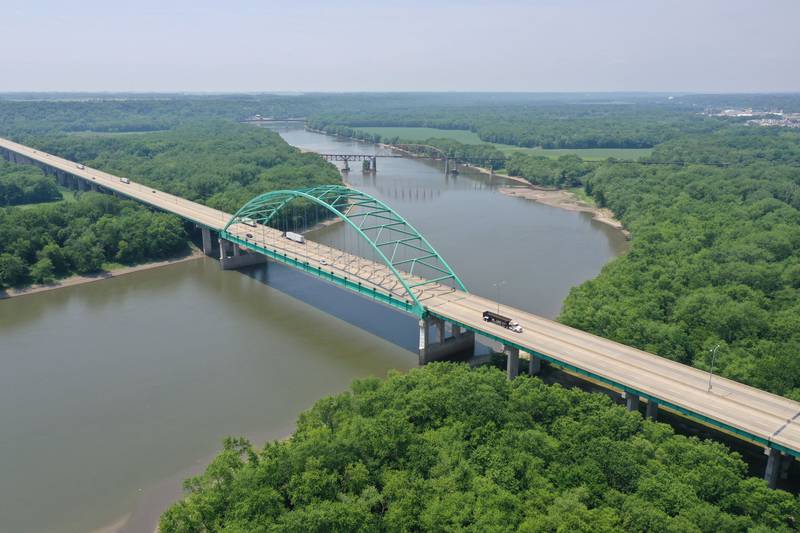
(296, 237)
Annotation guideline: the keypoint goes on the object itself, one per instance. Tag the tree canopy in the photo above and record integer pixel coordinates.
(446, 448)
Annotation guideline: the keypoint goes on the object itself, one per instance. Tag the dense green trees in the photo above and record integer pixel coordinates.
(51, 241)
(566, 171)
(446, 448)
(547, 125)
(713, 259)
(25, 184)
(217, 163)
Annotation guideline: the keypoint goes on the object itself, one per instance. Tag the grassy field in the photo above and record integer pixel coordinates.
(588, 154)
(421, 134)
(469, 137)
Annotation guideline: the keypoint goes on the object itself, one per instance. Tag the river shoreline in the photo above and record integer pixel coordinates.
(81, 280)
(559, 198)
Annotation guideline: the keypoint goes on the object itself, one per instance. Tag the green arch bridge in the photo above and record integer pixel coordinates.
(390, 261)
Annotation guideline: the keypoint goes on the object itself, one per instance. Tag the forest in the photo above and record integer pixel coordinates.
(446, 448)
(25, 184)
(217, 163)
(50, 241)
(713, 257)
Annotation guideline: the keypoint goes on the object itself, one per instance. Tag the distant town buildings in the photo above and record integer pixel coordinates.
(759, 118)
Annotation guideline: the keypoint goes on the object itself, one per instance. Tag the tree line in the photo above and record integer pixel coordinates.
(42, 244)
(446, 448)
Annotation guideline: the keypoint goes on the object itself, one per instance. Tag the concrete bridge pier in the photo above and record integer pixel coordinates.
(632, 401)
(512, 361)
(207, 242)
(232, 257)
(534, 365)
(459, 342)
(773, 470)
(652, 410)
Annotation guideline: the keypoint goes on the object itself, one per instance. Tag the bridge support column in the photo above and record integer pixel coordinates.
(512, 361)
(81, 184)
(459, 343)
(534, 365)
(652, 410)
(206, 233)
(232, 257)
(773, 467)
(446, 166)
(93, 186)
(374, 163)
(439, 323)
(632, 401)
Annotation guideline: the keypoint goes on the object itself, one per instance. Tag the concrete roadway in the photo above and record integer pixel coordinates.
(759, 415)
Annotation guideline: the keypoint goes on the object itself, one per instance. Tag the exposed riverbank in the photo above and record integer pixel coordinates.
(80, 280)
(560, 198)
(567, 200)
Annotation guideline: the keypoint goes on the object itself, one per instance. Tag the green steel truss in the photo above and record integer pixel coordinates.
(405, 252)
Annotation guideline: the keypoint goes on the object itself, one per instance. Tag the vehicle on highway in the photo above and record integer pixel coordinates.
(124, 180)
(323, 262)
(503, 321)
(296, 237)
(249, 235)
(80, 166)
(249, 222)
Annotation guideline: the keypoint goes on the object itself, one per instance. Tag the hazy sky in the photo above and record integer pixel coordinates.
(402, 45)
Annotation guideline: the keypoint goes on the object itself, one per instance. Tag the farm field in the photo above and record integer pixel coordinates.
(469, 137)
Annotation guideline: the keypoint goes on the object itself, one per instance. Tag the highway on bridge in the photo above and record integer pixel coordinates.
(753, 414)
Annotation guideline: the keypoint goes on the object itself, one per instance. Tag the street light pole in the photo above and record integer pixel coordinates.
(497, 285)
(713, 358)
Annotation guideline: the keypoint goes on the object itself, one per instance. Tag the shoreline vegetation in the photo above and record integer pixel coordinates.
(77, 279)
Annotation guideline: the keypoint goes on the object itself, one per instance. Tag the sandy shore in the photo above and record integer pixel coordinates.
(564, 199)
(80, 280)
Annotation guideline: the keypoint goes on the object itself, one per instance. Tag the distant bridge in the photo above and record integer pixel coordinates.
(259, 119)
(400, 268)
(371, 160)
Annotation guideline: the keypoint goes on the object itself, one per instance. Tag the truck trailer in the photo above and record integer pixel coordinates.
(503, 321)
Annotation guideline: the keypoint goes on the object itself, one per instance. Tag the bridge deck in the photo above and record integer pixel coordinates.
(757, 415)
(205, 216)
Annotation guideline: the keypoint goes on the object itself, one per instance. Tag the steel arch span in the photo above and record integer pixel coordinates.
(406, 266)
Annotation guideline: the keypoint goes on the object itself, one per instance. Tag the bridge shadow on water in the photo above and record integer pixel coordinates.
(375, 318)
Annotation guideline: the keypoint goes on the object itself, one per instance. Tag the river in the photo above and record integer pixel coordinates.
(111, 393)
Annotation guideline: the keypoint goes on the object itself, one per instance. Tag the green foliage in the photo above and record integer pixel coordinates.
(714, 257)
(47, 242)
(531, 123)
(216, 163)
(564, 172)
(25, 184)
(446, 448)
